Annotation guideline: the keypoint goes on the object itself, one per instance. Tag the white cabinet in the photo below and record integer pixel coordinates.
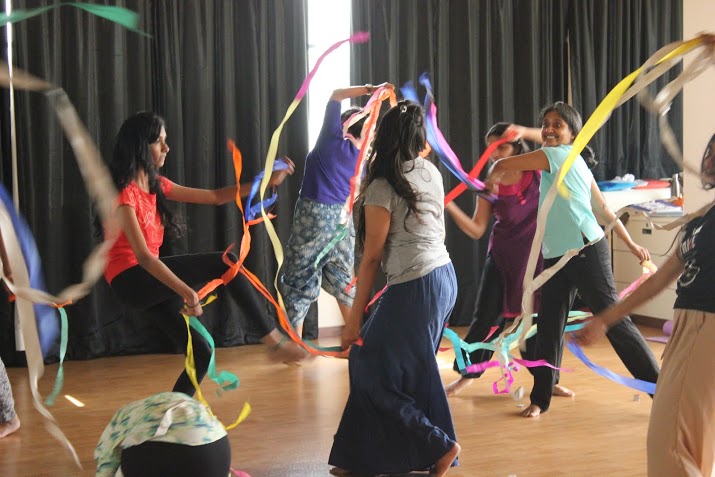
(626, 269)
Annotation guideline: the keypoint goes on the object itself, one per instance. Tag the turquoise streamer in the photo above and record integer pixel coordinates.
(121, 16)
(60, 379)
(226, 380)
(342, 232)
(509, 342)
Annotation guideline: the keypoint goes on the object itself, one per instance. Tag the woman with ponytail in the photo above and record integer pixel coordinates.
(397, 418)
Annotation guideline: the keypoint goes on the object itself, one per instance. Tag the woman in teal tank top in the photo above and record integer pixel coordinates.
(570, 224)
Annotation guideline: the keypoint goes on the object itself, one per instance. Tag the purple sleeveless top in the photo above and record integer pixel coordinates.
(513, 232)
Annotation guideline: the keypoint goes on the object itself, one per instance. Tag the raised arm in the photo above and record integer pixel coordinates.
(224, 195)
(522, 132)
(603, 212)
(474, 226)
(531, 161)
(355, 91)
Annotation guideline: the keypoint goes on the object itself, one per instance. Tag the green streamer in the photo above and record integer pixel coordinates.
(119, 15)
(226, 380)
(60, 379)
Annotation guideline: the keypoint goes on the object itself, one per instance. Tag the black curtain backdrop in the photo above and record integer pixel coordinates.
(215, 70)
(608, 40)
(222, 69)
(503, 61)
(489, 61)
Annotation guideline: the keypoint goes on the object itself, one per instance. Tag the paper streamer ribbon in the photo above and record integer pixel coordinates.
(121, 16)
(60, 378)
(474, 173)
(502, 349)
(617, 96)
(102, 192)
(436, 139)
(360, 37)
(252, 208)
(649, 268)
(47, 323)
(239, 473)
(190, 367)
(634, 383)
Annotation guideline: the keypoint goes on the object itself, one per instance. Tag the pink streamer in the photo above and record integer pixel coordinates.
(359, 37)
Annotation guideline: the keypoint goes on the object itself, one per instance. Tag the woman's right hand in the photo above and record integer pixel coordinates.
(192, 299)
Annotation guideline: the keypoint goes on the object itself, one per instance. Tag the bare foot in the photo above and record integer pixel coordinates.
(457, 386)
(287, 352)
(531, 411)
(8, 427)
(445, 462)
(562, 391)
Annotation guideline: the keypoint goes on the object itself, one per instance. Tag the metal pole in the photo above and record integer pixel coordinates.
(19, 340)
(13, 137)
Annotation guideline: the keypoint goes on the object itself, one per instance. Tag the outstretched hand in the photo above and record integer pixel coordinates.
(277, 177)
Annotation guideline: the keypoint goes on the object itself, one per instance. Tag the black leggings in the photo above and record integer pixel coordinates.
(590, 274)
(152, 458)
(487, 314)
(139, 289)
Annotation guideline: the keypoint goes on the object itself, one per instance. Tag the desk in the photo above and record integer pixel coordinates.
(626, 268)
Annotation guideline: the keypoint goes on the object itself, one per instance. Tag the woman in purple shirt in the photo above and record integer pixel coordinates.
(326, 186)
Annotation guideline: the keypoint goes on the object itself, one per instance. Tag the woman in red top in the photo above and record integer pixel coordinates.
(164, 286)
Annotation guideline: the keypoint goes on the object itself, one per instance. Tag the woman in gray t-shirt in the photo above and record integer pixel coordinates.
(397, 418)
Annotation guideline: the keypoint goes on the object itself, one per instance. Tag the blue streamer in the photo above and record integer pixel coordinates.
(633, 383)
(253, 210)
(410, 93)
(48, 328)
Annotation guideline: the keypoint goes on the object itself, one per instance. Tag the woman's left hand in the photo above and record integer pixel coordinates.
(279, 176)
(640, 252)
(351, 334)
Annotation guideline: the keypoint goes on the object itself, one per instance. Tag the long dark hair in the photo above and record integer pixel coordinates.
(399, 138)
(356, 129)
(707, 166)
(573, 119)
(131, 154)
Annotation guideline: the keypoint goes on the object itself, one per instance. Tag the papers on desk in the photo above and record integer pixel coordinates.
(659, 208)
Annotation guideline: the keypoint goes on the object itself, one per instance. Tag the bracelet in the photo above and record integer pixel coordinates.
(369, 88)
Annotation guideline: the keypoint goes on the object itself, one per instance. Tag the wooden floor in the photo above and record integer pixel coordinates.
(296, 410)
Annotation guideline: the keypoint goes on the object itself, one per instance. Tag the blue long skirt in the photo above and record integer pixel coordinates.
(397, 418)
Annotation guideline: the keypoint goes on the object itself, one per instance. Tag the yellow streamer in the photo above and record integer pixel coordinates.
(604, 110)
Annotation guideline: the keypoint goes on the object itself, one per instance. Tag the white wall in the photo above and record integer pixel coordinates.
(698, 104)
(328, 312)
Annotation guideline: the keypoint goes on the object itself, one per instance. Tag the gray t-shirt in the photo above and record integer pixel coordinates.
(414, 245)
